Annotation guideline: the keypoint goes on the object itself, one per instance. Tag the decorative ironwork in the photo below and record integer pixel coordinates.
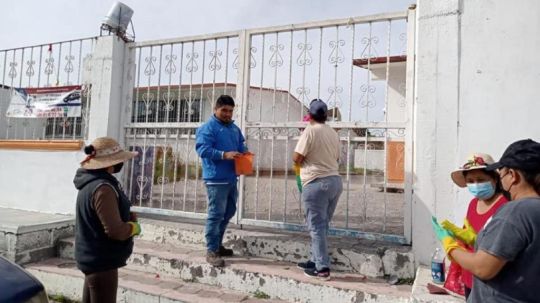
(170, 67)
(30, 68)
(303, 93)
(252, 61)
(305, 57)
(336, 55)
(162, 180)
(150, 69)
(49, 68)
(335, 92)
(276, 60)
(168, 99)
(12, 70)
(381, 132)
(69, 64)
(368, 98)
(400, 132)
(268, 133)
(192, 65)
(142, 181)
(215, 64)
(147, 97)
(369, 47)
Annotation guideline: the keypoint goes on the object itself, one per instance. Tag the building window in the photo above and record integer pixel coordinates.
(162, 111)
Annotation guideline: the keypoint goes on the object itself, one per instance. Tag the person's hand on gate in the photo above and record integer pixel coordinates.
(467, 234)
(231, 155)
(446, 238)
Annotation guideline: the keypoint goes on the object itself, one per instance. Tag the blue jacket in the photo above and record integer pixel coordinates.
(213, 139)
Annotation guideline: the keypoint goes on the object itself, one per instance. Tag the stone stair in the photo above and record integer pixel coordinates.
(264, 264)
(61, 277)
(370, 258)
(254, 275)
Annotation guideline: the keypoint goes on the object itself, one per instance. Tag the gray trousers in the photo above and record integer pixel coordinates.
(320, 198)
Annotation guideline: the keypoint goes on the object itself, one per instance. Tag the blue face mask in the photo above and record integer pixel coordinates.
(482, 191)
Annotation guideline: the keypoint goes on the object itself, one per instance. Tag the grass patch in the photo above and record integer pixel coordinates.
(62, 299)
(360, 171)
(261, 295)
(405, 281)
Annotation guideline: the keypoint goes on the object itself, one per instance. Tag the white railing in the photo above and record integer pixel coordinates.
(359, 66)
(45, 70)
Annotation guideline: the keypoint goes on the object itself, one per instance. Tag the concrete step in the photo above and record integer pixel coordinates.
(278, 279)
(27, 236)
(366, 257)
(61, 277)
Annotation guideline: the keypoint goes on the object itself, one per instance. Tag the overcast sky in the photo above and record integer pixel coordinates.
(26, 22)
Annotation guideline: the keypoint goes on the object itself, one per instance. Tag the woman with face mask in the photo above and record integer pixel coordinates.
(486, 188)
(505, 263)
(104, 224)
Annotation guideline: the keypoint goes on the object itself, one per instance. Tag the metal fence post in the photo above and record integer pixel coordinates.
(242, 95)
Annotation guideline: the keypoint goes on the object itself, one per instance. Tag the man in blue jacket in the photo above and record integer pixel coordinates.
(219, 141)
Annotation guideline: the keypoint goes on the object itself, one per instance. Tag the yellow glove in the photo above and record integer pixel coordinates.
(135, 228)
(296, 168)
(447, 240)
(467, 234)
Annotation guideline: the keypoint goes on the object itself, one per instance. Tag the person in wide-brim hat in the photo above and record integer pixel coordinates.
(105, 152)
(488, 194)
(474, 161)
(506, 264)
(104, 223)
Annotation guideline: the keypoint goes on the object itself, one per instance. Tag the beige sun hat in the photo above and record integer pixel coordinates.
(105, 152)
(474, 161)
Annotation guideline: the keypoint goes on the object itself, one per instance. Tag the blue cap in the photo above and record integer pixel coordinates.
(317, 107)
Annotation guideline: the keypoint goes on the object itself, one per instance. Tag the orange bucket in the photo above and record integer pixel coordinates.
(244, 164)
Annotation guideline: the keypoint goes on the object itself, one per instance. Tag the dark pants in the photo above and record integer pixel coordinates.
(100, 287)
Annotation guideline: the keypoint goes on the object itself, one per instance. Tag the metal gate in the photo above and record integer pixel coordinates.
(362, 67)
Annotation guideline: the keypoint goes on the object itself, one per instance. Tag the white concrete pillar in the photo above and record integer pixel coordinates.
(436, 112)
(112, 86)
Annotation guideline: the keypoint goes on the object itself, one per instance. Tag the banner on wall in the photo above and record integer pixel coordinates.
(45, 102)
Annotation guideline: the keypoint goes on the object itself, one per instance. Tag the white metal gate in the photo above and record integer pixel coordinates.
(359, 66)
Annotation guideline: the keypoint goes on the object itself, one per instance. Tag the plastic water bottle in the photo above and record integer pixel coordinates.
(437, 267)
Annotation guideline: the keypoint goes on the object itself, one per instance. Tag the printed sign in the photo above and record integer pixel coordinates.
(46, 102)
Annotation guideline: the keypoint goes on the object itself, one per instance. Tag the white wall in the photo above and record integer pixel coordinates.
(477, 80)
(397, 107)
(39, 181)
(375, 159)
(43, 180)
(265, 106)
